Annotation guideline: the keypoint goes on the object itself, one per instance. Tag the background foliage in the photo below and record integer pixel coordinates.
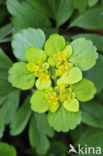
(19, 126)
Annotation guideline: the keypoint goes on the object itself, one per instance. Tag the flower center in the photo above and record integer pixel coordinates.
(44, 78)
(59, 94)
(52, 98)
(62, 65)
(40, 70)
(60, 57)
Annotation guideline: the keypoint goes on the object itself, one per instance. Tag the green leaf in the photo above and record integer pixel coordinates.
(60, 11)
(81, 5)
(73, 106)
(5, 64)
(38, 102)
(2, 132)
(5, 90)
(9, 108)
(95, 38)
(35, 55)
(82, 132)
(55, 43)
(95, 140)
(74, 76)
(4, 58)
(24, 14)
(91, 3)
(58, 148)
(38, 132)
(91, 19)
(6, 30)
(92, 114)
(43, 86)
(63, 120)
(83, 50)
(27, 38)
(63, 11)
(95, 72)
(21, 118)
(89, 138)
(53, 108)
(20, 77)
(84, 90)
(6, 39)
(5, 87)
(46, 7)
(7, 150)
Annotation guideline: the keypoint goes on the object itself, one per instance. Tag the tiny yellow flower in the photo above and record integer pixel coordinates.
(63, 69)
(61, 63)
(60, 94)
(59, 89)
(60, 57)
(52, 98)
(35, 68)
(44, 78)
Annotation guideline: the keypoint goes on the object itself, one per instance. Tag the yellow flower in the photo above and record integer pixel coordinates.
(68, 96)
(60, 57)
(59, 89)
(35, 68)
(63, 69)
(38, 69)
(62, 65)
(60, 94)
(44, 78)
(52, 98)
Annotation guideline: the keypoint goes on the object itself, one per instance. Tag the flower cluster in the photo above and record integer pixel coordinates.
(60, 94)
(41, 73)
(60, 62)
(56, 73)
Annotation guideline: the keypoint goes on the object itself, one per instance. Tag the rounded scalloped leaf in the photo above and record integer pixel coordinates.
(73, 106)
(95, 74)
(84, 54)
(43, 86)
(84, 90)
(20, 77)
(38, 102)
(55, 43)
(27, 38)
(63, 120)
(74, 76)
(34, 55)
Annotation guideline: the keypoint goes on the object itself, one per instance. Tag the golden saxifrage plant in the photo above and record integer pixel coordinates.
(53, 70)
